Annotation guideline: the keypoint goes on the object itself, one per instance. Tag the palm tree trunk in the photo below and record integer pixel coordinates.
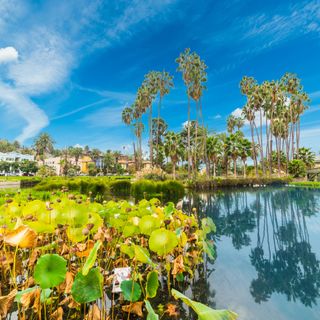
(214, 169)
(158, 125)
(235, 167)
(253, 149)
(189, 151)
(173, 169)
(261, 145)
(244, 169)
(150, 136)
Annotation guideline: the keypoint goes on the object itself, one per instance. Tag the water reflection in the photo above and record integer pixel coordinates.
(273, 223)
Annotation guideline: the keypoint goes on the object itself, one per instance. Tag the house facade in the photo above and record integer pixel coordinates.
(15, 157)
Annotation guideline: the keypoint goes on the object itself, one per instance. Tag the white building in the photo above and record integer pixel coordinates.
(15, 157)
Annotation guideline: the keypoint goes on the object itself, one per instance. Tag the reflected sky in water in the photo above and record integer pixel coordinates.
(268, 252)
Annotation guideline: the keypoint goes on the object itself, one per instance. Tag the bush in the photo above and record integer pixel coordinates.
(169, 190)
(120, 188)
(297, 168)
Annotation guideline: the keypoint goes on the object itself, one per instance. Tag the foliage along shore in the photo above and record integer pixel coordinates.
(58, 259)
(213, 184)
(307, 184)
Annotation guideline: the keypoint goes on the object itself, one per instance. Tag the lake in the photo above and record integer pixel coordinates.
(268, 251)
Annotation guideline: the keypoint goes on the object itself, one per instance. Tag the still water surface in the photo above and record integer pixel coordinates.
(268, 252)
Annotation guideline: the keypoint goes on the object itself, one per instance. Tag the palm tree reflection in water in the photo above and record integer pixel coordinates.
(273, 223)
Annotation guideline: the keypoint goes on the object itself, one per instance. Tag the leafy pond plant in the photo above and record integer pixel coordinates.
(57, 259)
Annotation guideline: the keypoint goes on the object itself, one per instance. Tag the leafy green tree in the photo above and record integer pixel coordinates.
(297, 168)
(42, 145)
(173, 149)
(27, 166)
(307, 156)
(214, 151)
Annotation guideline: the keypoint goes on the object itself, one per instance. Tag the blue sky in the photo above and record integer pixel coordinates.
(70, 67)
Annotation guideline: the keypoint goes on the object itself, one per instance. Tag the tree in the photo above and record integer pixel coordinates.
(77, 153)
(28, 167)
(172, 147)
(297, 168)
(214, 151)
(42, 145)
(233, 148)
(307, 156)
(159, 131)
(245, 153)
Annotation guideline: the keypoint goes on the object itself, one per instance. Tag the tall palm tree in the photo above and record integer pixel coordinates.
(185, 66)
(245, 153)
(214, 151)
(233, 148)
(42, 145)
(173, 149)
(165, 83)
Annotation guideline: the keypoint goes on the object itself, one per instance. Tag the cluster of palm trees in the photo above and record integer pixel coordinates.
(155, 84)
(273, 110)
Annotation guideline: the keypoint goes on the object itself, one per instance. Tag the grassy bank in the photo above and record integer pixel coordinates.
(308, 184)
(106, 187)
(212, 184)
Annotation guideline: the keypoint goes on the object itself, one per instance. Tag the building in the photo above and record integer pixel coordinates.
(15, 157)
(55, 163)
(128, 164)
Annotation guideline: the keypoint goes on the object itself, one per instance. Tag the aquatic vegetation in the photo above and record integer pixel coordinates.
(58, 258)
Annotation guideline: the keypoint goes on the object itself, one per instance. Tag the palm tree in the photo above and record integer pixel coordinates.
(233, 148)
(173, 149)
(307, 156)
(42, 145)
(159, 129)
(165, 83)
(245, 153)
(77, 153)
(185, 65)
(214, 150)
(231, 123)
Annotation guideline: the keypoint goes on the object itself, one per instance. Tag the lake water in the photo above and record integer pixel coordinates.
(268, 252)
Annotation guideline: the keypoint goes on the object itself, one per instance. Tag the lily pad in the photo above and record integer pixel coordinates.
(148, 223)
(50, 270)
(91, 258)
(131, 290)
(204, 312)
(152, 284)
(163, 241)
(87, 288)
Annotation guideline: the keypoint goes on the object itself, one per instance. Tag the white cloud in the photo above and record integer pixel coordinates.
(8, 54)
(34, 117)
(217, 116)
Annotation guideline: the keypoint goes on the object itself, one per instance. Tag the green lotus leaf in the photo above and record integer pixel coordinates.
(87, 288)
(142, 254)
(163, 241)
(151, 314)
(50, 270)
(75, 234)
(152, 284)
(208, 248)
(204, 312)
(34, 208)
(40, 227)
(12, 210)
(130, 230)
(91, 259)
(148, 223)
(169, 209)
(131, 290)
(96, 220)
(208, 225)
(128, 250)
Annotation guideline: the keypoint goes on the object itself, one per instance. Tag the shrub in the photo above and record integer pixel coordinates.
(120, 188)
(297, 168)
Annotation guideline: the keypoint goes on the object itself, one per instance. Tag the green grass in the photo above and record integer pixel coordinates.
(309, 184)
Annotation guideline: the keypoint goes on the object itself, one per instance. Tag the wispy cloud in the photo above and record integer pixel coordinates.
(108, 117)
